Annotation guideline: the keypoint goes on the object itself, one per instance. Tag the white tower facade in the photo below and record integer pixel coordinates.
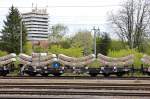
(37, 24)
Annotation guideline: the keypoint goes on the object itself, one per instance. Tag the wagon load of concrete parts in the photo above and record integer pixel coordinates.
(122, 61)
(4, 60)
(76, 62)
(37, 59)
(146, 59)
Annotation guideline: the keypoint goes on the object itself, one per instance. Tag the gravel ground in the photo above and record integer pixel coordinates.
(74, 81)
(70, 97)
(76, 90)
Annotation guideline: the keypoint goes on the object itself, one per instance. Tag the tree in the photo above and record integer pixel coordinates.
(84, 40)
(132, 22)
(58, 31)
(103, 44)
(11, 32)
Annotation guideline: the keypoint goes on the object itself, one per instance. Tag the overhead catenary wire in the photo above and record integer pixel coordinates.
(68, 6)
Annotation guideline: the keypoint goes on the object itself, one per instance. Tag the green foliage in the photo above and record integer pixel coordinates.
(95, 64)
(58, 31)
(83, 39)
(11, 32)
(65, 43)
(39, 49)
(3, 53)
(117, 45)
(103, 44)
(73, 52)
(27, 49)
(125, 52)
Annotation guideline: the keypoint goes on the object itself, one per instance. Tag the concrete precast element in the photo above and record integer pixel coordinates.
(43, 63)
(125, 63)
(39, 54)
(25, 57)
(146, 59)
(76, 62)
(37, 60)
(73, 59)
(8, 61)
(25, 62)
(109, 59)
(4, 60)
(7, 57)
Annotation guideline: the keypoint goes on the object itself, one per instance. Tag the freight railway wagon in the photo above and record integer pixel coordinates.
(39, 63)
(117, 66)
(77, 65)
(109, 65)
(52, 64)
(57, 65)
(145, 67)
(7, 64)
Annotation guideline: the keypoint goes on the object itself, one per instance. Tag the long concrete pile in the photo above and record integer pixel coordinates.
(122, 61)
(7, 59)
(37, 60)
(76, 62)
(146, 59)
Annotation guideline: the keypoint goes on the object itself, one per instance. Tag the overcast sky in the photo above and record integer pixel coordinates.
(76, 14)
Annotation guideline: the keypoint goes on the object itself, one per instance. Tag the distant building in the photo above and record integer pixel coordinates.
(37, 26)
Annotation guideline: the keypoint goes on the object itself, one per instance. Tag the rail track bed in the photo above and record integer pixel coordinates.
(74, 88)
(76, 77)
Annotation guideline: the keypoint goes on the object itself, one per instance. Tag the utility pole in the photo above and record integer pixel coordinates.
(21, 36)
(95, 35)
(94, 40)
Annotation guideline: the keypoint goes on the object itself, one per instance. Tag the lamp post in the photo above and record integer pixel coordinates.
(94, 40)
(21, 36)
(95, 34)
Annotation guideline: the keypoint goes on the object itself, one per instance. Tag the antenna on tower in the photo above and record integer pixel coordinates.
(36, 6)
(32, 5)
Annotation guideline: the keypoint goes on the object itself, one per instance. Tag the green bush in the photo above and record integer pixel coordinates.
(73, 52)
(95, 64)
(38, 49)
(117, 45)
(125, 52)
(3, 53)
(28, 48)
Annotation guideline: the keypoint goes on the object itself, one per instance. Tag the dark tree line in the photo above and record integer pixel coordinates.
(103, 43)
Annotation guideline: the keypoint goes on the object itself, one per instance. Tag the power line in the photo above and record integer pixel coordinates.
(71, 6)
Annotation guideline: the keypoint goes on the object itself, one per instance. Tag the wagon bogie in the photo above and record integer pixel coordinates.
(93, 72)
(116, 66)
(4, 71)
(145, 67)
(118, 71)
(145, 70)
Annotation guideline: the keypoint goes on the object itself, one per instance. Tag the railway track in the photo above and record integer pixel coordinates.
(76, 77)
(73, 88)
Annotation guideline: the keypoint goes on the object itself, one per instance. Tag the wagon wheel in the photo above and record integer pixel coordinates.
(32, 74)
(119, 74)
(4, 74)
(106, 75)
(44, 75)
(93, 74)
(56, 74)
